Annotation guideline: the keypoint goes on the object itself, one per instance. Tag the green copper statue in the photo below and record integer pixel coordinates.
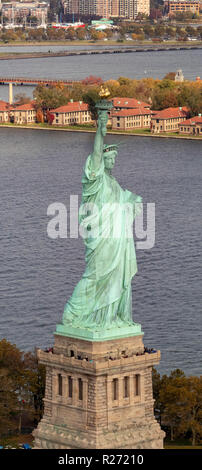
(101, 301)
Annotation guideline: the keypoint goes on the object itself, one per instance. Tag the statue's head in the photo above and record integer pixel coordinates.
(110, 152)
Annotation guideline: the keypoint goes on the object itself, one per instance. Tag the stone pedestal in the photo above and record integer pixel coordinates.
(98, 395)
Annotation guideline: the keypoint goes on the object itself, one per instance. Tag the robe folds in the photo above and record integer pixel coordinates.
(102, 298)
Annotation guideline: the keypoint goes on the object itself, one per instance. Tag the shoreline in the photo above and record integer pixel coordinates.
(109, 132)
(101, 42)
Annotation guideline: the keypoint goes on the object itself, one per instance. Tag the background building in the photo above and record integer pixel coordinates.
(183, 6)
(72, 113)
(20, 10)
(168, 120)
(128, 9)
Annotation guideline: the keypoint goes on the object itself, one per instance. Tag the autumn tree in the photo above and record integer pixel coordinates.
(8, 36)
(22, 98)
(97, 35)
(92, 80)
(50, 117)
(70, 34)
(191, 412)
(170, 76)
(50, 97)
(91, 97)
(180, 402)
(36, 34)
(156, 382)
(77, 91)
(171, 400)
(21, 387)
(113, 87)
(81, 34)
(192, 98)
(165, 95)
(108, 33)
(39, 115)
(10, 365)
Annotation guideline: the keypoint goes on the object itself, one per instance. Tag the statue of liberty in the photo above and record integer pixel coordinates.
(101, 300)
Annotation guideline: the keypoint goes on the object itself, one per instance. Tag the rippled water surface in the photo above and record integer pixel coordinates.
(135, 65)
(38, 274)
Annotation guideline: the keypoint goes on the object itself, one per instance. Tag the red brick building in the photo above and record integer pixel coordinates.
(72, 113)
(126, 119)
(183, 6)
(128, 103)
(4, 111)
(168, 119)
(23, 113)
(191, 126)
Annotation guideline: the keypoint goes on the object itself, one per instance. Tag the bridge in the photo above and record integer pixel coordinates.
(33, 81)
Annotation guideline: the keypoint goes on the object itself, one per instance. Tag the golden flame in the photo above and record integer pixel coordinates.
(104, 92)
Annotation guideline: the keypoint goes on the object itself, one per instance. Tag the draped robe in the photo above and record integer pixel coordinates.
(102, 298)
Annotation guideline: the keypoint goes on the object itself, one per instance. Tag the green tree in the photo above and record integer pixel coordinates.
(191, 412)
(171, 400)
(192, 98)
(50, 97)
(21, 387)
(91, 97)
(164, 98)
(156, 382)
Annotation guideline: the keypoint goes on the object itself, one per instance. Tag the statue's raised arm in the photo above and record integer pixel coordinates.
(97, 154)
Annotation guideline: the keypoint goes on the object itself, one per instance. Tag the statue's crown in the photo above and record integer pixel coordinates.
(110, 148)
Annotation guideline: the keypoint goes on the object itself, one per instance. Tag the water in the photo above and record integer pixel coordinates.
(134, 65)
(38, 274)
(58, 48)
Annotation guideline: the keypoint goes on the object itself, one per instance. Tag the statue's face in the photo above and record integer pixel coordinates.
(109, 159)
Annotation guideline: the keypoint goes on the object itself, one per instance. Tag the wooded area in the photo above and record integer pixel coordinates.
(160, 94)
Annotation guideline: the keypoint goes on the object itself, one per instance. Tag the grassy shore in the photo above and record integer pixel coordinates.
(109, 42)
(90, 129)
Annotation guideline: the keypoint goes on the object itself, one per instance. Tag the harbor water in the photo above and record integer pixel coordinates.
(38, 273)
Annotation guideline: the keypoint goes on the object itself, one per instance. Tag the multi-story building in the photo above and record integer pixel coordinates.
(108, 8)
(23, 113)
(136, 118)
(71, 6)
(191, 126)
(168, 120)
(183, 6)
(4, 111)
(15, 10)
(128, 103)
(130, 8)
(72, 113)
